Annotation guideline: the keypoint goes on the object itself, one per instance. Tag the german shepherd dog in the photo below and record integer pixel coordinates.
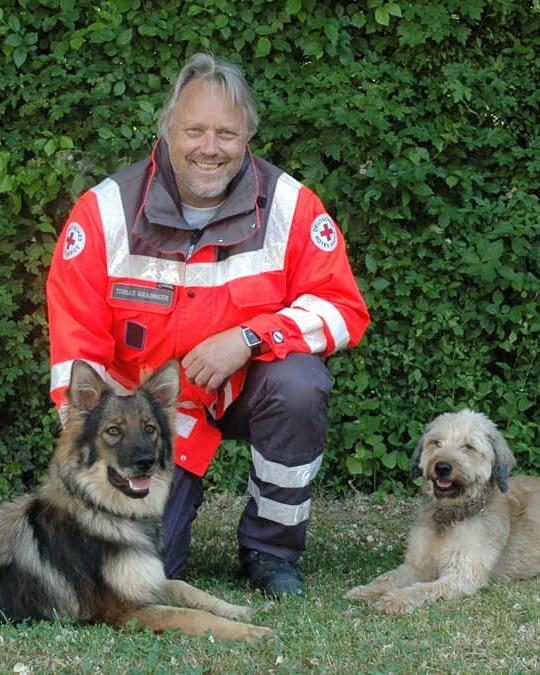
(86, 545)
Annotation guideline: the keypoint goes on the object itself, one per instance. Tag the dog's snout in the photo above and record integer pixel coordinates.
(143, 459)
(443, 469)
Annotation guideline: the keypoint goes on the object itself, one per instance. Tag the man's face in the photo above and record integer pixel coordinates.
(207, 141)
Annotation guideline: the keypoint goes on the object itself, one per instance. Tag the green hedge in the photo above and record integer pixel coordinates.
(416, 122)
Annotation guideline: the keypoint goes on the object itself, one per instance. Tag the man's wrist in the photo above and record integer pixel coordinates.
(252, 340)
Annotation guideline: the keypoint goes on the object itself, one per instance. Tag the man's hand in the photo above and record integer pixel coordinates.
(215, 359)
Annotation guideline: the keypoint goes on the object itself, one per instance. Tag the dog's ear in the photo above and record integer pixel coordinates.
(504, 460)
(85, 387)
(415, 460)
(164, 385)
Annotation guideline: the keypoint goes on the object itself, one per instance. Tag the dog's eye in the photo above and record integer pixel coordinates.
(469, 448)
(150, 429)
(113, 430)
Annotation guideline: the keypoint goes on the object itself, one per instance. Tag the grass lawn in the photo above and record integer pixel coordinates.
(350, 541)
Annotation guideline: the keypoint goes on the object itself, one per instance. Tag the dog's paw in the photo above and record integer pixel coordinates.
(363, 592)
(395, 602)
(256, 633)
(238, 613)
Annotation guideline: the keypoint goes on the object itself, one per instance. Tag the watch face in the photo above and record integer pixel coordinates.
(251, 338)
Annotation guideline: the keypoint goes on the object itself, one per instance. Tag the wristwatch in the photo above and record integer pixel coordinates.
(252, 340)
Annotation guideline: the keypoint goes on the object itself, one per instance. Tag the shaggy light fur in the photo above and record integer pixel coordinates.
(475, 526)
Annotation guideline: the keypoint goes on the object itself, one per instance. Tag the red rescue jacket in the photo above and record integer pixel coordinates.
(131, 285)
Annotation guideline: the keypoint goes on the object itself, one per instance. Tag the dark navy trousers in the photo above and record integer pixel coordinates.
(282, 413)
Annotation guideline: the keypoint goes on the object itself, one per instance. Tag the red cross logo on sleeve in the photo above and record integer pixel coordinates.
(323, 233)
(75, 241)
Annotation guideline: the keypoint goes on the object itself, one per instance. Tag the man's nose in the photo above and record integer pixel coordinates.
(209, 143)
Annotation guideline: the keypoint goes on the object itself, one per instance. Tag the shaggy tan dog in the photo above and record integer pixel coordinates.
(475, 526)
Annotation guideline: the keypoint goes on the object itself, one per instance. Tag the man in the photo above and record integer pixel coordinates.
(212, 256)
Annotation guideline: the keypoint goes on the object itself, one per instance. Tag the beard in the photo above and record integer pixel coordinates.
(189, 182)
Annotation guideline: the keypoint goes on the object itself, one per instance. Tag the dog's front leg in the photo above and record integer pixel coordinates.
(184, 595)
(451, 585)
(194, 622)
(404, 575)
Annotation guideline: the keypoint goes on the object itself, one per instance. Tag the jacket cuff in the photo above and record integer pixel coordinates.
(277, 336)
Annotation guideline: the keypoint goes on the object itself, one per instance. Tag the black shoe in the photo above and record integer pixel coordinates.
(272, 575)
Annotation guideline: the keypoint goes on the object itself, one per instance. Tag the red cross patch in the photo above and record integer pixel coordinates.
(323, 233)
(75, 241)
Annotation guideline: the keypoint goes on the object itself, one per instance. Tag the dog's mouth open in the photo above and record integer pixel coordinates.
(134, 486)
(443, 487)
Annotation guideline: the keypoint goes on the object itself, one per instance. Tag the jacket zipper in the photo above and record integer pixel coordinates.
(194, 240)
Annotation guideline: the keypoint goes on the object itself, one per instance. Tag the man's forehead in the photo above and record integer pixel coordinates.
(213, 93)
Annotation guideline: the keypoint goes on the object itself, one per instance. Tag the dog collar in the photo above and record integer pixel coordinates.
(445, 515)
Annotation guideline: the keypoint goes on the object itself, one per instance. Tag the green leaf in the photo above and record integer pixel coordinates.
(292, 7)
(105, 133)
(4, 161)
(493, 251)
(19, 56)
(358, 20)
(13, 40)
(193, 10)
(50, 147)
(389, 460)
(221, 21)
(65, 142)
(421, 190)
(263, 47)
(355, 466)
(77, 41)
(14, 23)
(30, 39)
(382, 15)
(331, 32)
(371, 264)
(380, 284)
(124, 37)
(6, 184)
(451, 181)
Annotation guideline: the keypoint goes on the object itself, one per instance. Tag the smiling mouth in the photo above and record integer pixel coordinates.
(208, 166)
(446, 488)
(134, 486)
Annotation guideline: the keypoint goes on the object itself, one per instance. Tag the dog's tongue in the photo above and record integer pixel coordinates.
(444, 484)
(139, 483)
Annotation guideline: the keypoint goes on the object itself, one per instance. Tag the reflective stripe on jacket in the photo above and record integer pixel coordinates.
(131, 285)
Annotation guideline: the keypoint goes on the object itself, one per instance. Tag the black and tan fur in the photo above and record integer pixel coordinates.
(475, 526)
(86, 544)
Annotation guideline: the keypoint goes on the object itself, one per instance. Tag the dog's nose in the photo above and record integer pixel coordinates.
(143, 459)
(443, 469)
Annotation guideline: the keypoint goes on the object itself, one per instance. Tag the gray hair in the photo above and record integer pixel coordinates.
(206, 67)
